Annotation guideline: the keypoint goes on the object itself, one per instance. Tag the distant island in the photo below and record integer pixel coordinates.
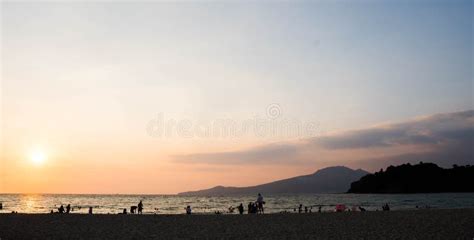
(419, 178)
(327, 180)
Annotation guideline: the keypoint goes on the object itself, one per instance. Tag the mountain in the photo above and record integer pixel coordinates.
(420, 178)
(327, 180)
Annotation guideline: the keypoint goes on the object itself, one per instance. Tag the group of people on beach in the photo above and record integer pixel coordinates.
(68, 209)
(252, 208)
(256, 207)
(61, 209)
(135, 209)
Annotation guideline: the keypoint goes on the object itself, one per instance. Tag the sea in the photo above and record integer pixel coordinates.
(174, 204)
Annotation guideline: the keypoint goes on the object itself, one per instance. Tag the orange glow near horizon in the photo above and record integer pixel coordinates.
(187, 95)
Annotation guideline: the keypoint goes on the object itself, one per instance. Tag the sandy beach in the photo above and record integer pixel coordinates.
(420, 224)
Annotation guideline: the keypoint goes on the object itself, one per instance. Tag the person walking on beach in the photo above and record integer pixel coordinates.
(241, 209)
(260, 203)
(140, 207)
(300, 208)
(90, 210)
(68, 208)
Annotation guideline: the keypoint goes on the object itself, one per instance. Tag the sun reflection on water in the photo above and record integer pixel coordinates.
(30, 202)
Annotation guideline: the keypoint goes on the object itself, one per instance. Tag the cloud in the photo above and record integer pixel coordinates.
(435, 129)
(278, 153)
(445, 139)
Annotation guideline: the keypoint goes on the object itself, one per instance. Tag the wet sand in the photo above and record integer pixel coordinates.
(419, 224)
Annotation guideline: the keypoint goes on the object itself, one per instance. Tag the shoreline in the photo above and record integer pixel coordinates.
(402, 224)
(245, 213)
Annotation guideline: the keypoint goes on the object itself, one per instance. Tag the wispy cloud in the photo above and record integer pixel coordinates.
(278, 153)
(445, 138)
(435, 129)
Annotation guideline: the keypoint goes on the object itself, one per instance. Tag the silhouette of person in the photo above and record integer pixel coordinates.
(133, 209)
(124, 211)
(188, 210)
(61, 209)
(241, 208)
(90, 210)
(260, 203)
(319, 208)
(140, 207)
(306, 209)
(300, 208)
(68, 208)
(254, 208)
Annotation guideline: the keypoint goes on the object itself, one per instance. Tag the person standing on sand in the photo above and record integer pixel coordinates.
(188, 210)
(90, 210)
(140, 207)
(241, 209)
(260, 203)
(68, 208)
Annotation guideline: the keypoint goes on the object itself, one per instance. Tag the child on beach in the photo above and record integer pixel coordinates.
(61, 209)
(188, 210)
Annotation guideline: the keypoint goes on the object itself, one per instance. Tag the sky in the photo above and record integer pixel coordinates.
(165, 97)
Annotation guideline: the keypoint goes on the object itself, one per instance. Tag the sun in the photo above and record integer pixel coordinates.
(38, 157)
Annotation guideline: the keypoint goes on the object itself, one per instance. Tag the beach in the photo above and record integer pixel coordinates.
(408, 224)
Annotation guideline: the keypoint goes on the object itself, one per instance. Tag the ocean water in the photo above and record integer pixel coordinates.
(172, 204)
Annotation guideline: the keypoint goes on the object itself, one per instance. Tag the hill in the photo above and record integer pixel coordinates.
(327, 180)
(420, 178)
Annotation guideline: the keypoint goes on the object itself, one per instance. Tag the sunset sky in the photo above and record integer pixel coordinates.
(155, 97)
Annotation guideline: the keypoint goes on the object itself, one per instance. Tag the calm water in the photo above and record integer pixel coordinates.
(170, 204)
